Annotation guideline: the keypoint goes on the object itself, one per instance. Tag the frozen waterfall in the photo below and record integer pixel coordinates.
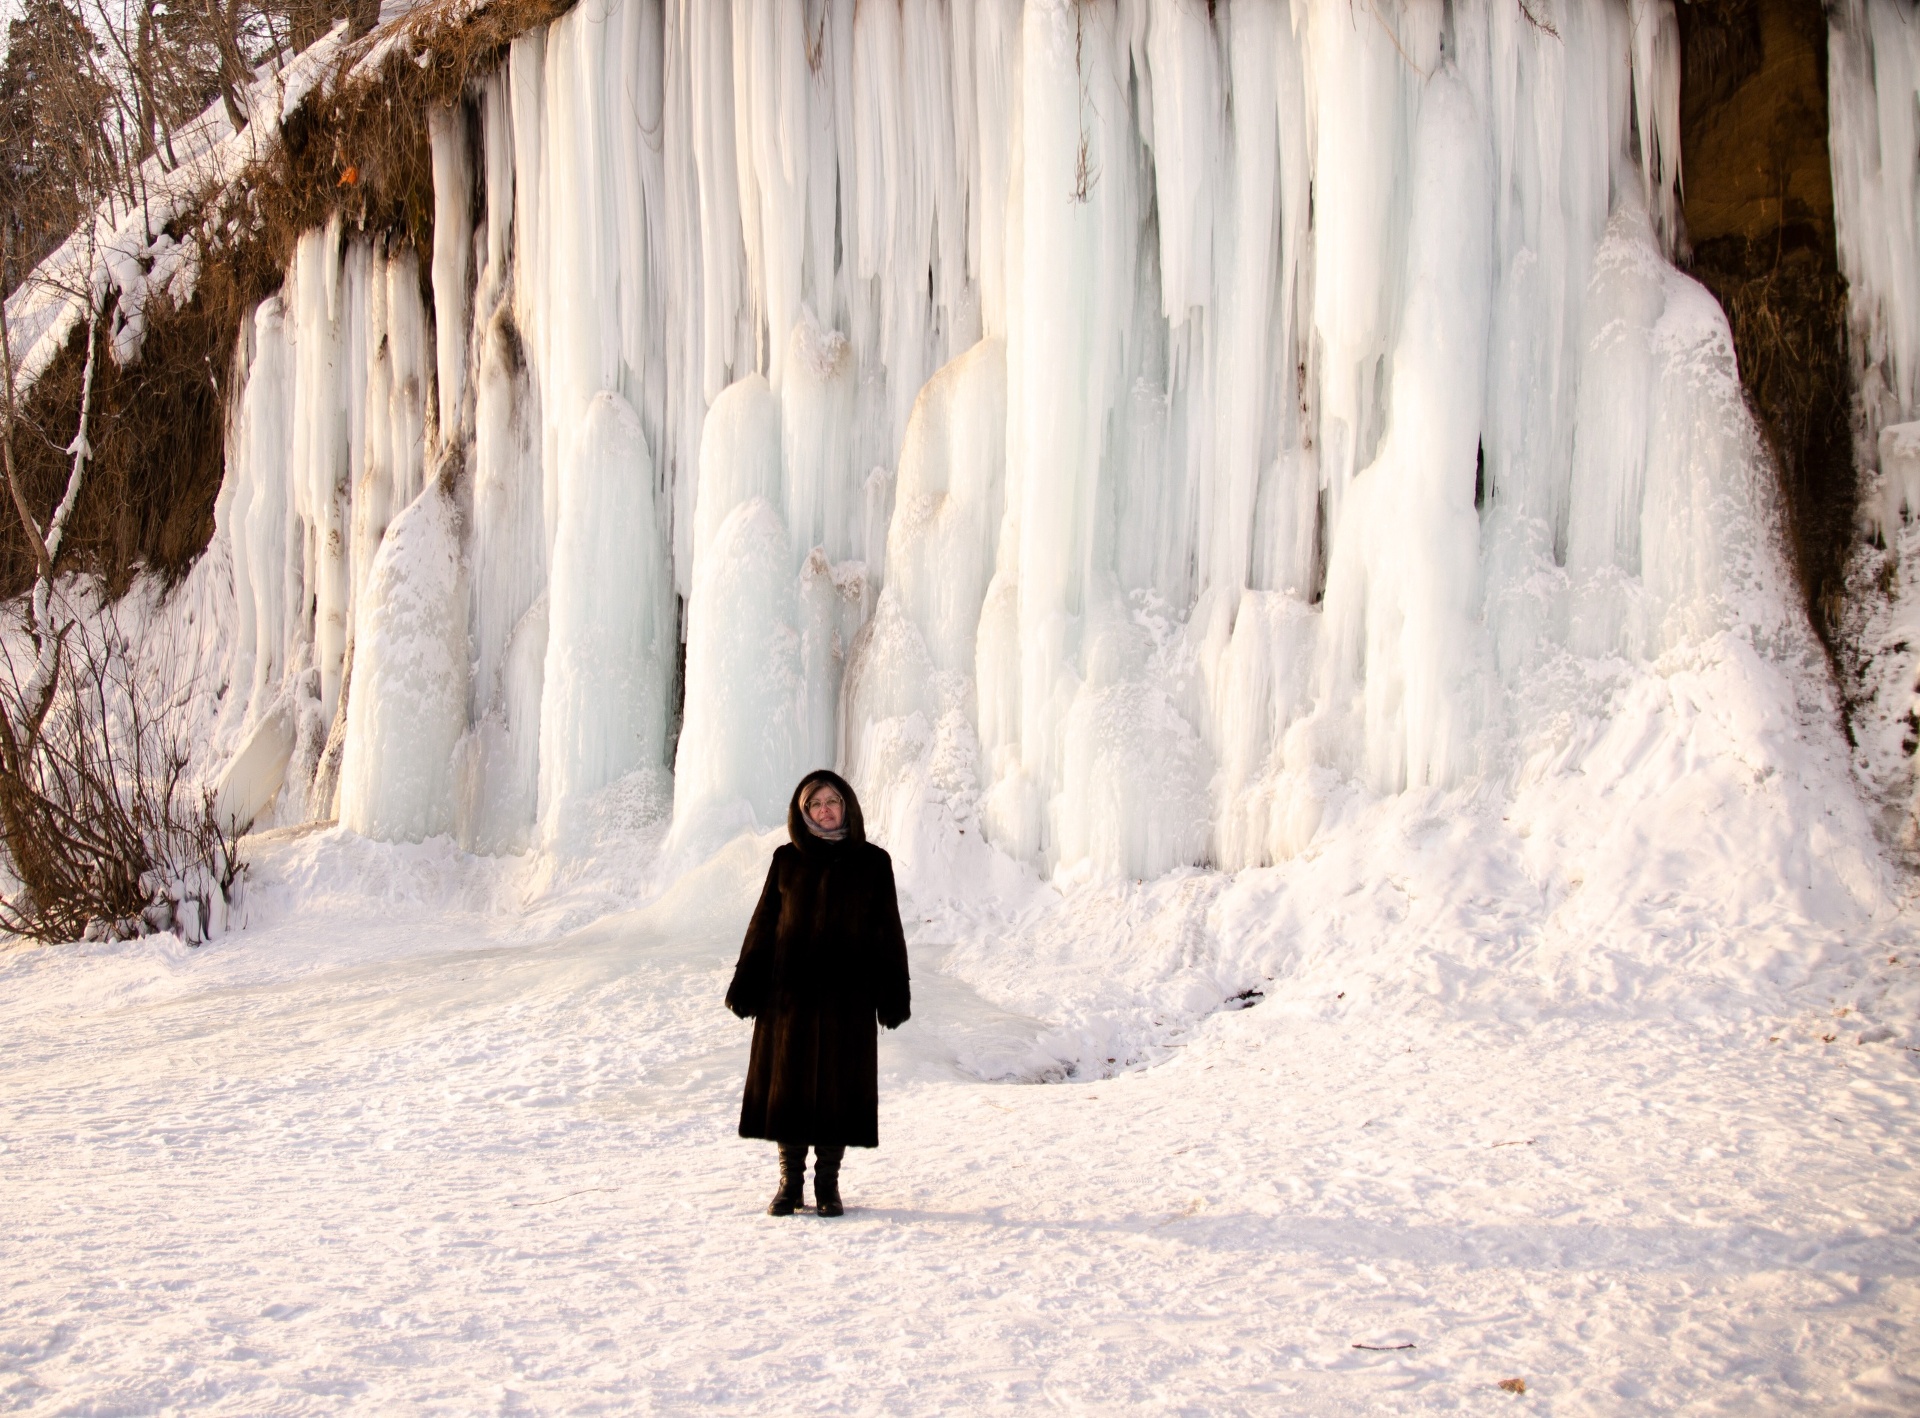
(1105, 428)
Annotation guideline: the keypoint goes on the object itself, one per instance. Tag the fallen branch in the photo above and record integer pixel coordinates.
(549, 1200)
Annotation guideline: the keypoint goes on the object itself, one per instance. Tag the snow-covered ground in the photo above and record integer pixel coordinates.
(418, 1140)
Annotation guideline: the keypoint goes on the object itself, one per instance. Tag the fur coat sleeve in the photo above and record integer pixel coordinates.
(753, 976)
(892, 993)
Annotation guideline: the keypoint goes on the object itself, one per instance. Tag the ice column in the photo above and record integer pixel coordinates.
(1873, 87)
(452, 254)
(260, 512)
(319, 469)
(1365, 62)
(948, 507)
(610, 649)
(1054, 619)
(744, 740)
(821, 495)
(1656, 103)
(508, 552)
(1553, 138)
(408, 706)
(1401, 633)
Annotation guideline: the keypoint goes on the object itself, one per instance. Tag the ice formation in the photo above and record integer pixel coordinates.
(1108, 426)
(1873, 49)
(1874, 82)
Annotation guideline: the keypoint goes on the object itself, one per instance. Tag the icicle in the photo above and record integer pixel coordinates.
(716, 162)
(373, 488)
(508, 549)
(412, 368)
(264, 565)
(772, 127)
(496, 135)
(452, 254)
(1656, 102)
(1189, 136)
(1361, 77)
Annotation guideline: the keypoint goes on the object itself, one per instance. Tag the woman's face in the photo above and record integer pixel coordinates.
(825, 809)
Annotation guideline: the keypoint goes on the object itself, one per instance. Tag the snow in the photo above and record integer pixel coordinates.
(417, 1138)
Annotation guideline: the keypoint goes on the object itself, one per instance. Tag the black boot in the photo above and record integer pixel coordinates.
(826, 1180)
(793, 1176)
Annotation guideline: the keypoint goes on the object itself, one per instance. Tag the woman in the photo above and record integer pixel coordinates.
(824, 958)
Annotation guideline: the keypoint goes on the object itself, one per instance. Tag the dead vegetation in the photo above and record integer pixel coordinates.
(102, 828)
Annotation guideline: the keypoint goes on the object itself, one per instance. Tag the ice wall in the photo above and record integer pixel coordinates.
(1108, 427)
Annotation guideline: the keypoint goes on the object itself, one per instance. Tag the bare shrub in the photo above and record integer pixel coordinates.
(102, 826)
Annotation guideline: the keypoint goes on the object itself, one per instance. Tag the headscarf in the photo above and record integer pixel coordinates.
(801, 828)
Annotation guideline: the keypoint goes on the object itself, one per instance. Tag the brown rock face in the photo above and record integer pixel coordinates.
(1759, 219)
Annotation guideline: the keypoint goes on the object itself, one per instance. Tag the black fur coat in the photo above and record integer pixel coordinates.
(823, 961)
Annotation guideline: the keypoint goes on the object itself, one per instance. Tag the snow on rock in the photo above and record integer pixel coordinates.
(126, 252)
(1873, 80)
